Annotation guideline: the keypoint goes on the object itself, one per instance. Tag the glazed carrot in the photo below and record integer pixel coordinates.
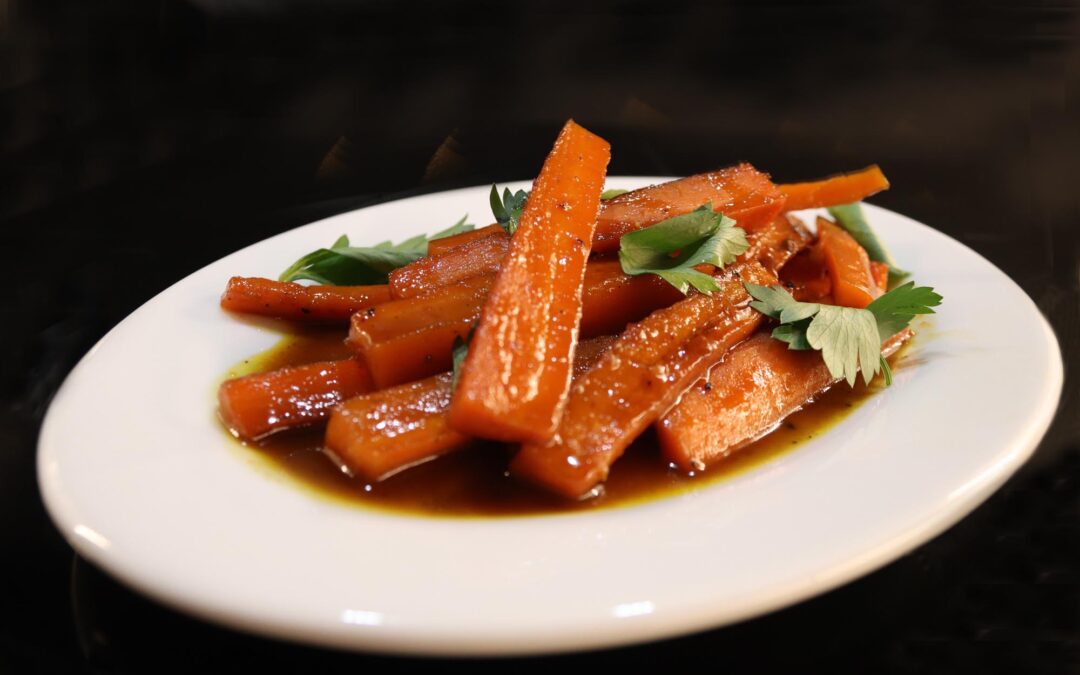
(853, 283)
(757, 385)
(296, 302)
(776, 243)
(256, 405)
(651, 364)
(740, 192)
(411, 339)
(514, 380)
(444, 244)
(845, 188)
(381, 433)
(472, 259)
(611, 299)
(807, 277)
(880, 272)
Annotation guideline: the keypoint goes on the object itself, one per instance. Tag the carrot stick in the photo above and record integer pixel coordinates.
(381, 433)
(842, 189)
(444, 244)
(611, 299)
(411, 339)
(514, 380)
(740, 192)
(650, 365)
(776, 243)
(472, 259)
(758, 384)
(880, 272)
(807, 277)
(296, 302)
(853, 282)
(254, 406)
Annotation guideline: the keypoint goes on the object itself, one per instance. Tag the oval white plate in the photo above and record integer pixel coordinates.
(141, 480)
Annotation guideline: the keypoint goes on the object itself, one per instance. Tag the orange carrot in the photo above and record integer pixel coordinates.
(256, 405)
(853, 283)
(472, 259)
(757, 385)
(842, 189)
(740, 192)
(410, 339)
(776, 243)
(651, 364)
(381, 433)
(611, 299)
(880, 272)
(444, 244)
(296, 302)
(807, 277)
(514, 380)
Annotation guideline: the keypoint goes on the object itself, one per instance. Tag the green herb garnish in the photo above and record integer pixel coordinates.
(508, 209)
(849, 339)
(345, 265)
(458, 354)
(612, 193)
(851, 218)
(671, 248)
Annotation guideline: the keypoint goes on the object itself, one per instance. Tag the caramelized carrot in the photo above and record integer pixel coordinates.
(853, 283)
(880, 272)
(807, 277)
(651, 364)
(444, 244)
(472, 259)
(842, 189)
(514, 380)
(746, 396)
(410, 339)
(776, 243)
(296, 302)
(381, 433)
(256, 405)
(611, 299)
(740, 192)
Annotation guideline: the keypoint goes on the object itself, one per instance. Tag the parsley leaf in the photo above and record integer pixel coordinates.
(671, 248)
(612, 193)
(849, 339)
(851, 218)
(457, 356)
(507, 210)
(345, 265)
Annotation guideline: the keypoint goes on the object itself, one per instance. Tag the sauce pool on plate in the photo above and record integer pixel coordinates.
(474, 482)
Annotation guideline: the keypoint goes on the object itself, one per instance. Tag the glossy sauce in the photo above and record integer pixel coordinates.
(474, 483)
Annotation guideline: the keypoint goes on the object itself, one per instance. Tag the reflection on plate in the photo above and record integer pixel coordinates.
(137, 474)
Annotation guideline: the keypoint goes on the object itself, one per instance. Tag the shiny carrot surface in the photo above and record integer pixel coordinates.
(852, 280)
(740, 192)
(472, 259)
(650, 365)
(842, 189)
(411, 339)
(514, 380)
(383, 432)
(776, 243)
(296, 302)
(806, 276)
(611, 299)
(746, 396)
(256, 405)
(444, 244)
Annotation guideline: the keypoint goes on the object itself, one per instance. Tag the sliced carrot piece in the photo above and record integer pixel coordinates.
(650, 365)
(880, 272)
(853, 283)
(841, 189)
(444, 244)
(514, 380)
(381, 433)
(472, 259)
(758, 384)
(776, 243)
(807, 277)
(256, 405)
(740, 192)
(611, 299)
(296, 302)
(411, 339)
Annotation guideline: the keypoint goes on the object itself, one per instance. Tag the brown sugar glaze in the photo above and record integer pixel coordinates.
(474, 483)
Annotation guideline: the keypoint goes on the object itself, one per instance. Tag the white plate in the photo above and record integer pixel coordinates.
(141, 480)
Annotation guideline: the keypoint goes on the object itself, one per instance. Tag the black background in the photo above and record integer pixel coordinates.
(140, 141)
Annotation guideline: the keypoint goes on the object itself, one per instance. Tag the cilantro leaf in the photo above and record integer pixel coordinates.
(895, 309)
(851, 218)
(671, 248)
(457, 357)
(345, 265)
(849, 339)
(507, 210)
(612, 193)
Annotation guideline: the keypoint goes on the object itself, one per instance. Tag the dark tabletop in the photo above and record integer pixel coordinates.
(141, 140)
